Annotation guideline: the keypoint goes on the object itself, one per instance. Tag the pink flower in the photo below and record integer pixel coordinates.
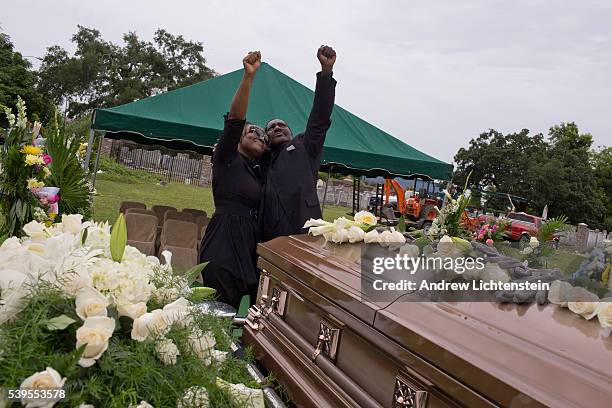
(489, 242)
(480, 236)
(53, 199)
(47, 159)
(495, 228)
(44, 201)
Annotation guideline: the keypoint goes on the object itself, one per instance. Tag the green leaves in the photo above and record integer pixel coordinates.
(58, 323)
(192, 274)
(401, 224)
(118, 239)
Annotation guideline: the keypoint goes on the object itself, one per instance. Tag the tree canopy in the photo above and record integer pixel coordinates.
(18, 78)
(561, 171)
(103, 74)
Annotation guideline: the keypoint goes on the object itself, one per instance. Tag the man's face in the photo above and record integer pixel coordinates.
(278, 132)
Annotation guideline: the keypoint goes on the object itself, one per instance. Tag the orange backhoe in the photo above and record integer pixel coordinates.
(418, 208)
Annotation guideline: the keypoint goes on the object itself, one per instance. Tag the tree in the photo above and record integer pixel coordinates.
(103, 74)
(18, 79)
(561, 172)
(602, 163)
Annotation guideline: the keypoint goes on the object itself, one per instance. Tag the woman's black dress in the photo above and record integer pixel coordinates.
(231, 237)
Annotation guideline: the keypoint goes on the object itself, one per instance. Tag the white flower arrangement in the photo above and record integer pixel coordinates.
(361, 228)
(103, 281)
(581, 302)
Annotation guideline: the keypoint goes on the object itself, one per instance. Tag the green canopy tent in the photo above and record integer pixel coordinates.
(190, 118)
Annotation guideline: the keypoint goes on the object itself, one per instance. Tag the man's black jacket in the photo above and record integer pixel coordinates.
(290, 193)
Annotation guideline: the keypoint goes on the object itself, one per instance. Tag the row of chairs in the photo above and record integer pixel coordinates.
(165, 228)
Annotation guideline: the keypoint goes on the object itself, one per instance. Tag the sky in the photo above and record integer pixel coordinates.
(434, 74)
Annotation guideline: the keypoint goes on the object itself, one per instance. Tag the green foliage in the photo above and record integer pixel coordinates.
(67, 173)
(127, 373)
(117, 172)
(549, 227)
(561, 172)
(17, 203)
(104, 74)
(18, 78)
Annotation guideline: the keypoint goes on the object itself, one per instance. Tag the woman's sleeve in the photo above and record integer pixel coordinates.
(230, 137)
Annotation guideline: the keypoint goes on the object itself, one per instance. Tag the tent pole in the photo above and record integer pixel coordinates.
(89, 148)
(95, 172)
(325, 191)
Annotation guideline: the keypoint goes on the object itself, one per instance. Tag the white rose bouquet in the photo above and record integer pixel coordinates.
(82, 311)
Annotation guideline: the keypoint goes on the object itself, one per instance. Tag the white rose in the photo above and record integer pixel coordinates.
(95, 332)
(410, 250)
(89, 302)
(583, 302)
(365, 217)
(355, 234)
(527, 250)
(143, 404)
(201, 343)
(178, 311)
(152, 323)
(371, 237)
(10, 244)
(243, 395)
(322, 229)
(559, 293)
(167, 352)
(604, 313)
(397, 237)
(314, 223)
(445, 246)
(195, 397)
(35, 230)
(39, 381)
(72, 223)
(133, 311)
(338, 235)
(534, 243)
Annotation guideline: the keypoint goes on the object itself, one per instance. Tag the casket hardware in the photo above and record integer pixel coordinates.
(264, 282)
(408, 395)
(327, 341)
(279, 299)
(253, 317)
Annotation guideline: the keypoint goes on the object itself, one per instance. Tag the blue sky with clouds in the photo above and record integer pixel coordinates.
(432, 73)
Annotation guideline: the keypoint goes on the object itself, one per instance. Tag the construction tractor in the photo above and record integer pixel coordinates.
(419, 208)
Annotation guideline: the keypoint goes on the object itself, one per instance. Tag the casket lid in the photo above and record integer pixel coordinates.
(546, 352)
(332, 270)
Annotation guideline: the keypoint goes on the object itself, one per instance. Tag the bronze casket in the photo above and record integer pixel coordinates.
(330, 347)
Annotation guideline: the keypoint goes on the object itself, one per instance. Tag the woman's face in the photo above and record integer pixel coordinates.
(254, 142)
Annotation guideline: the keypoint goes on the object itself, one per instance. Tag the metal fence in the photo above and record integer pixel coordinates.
(172, 165)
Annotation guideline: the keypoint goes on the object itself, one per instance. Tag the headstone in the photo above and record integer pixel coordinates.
(582, 237)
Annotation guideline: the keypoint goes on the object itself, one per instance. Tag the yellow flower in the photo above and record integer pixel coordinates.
(31, 160)
(46, 171)
(33, 183)
(29, 149)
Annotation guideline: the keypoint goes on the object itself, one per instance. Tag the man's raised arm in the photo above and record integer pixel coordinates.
(325, 93)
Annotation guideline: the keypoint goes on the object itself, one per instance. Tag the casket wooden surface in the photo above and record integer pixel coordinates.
(331, 348)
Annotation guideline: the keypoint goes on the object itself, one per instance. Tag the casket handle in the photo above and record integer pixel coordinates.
(408, 394)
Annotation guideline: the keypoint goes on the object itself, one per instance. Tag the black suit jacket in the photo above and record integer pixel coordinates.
(290, 193)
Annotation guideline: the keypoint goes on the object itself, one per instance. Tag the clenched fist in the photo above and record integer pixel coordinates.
(251, 62)
(327, 58)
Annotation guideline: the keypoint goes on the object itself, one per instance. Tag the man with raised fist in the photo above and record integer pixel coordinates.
(290, 194)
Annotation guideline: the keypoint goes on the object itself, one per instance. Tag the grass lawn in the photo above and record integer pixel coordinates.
(112, 190)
